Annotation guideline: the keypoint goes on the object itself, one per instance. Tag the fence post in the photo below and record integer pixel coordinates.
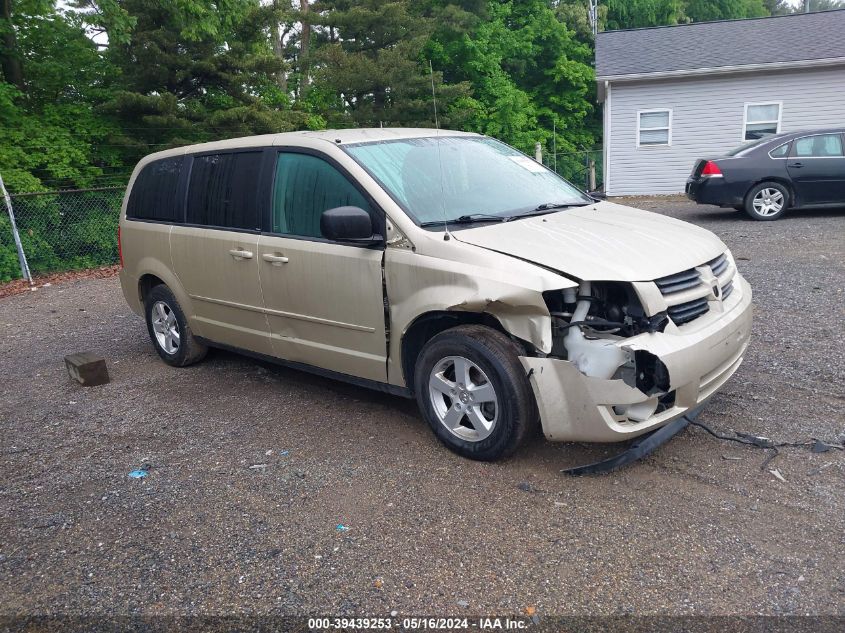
(592, 175)
(18, 245)
(538, 153)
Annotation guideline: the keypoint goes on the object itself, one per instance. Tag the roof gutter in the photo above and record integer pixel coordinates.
(725, 70)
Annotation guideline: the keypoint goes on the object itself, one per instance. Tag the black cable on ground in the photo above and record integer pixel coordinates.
(816, 445)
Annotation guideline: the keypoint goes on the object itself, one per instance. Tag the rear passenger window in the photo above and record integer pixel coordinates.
(223, 191)
(153, 195)
(305, 186)
(780, 151)
(819, 146)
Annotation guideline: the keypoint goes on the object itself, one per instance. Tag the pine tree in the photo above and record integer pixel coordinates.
(190, 72)
(371, 68)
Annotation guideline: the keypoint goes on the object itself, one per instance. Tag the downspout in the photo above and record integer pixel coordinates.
(607, 129)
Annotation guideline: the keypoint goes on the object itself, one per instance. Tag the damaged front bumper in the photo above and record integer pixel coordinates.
(578, 408)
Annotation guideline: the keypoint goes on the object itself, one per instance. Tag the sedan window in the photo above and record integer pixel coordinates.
(780, 151)
(818, 146)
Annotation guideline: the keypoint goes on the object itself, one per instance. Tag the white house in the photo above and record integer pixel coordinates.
(677, 93)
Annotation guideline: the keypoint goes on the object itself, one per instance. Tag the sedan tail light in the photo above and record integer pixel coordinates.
(119, 247)
(711, 170)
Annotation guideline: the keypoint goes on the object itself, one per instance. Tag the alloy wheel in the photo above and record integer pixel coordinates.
(768, 202)
(463, 398)
(165, 327)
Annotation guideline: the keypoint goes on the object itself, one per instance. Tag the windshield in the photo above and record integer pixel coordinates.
(435, 179)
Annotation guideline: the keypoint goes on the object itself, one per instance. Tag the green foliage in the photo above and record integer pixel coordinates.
(707, 10)
(61, 232)
(87, 87)
(529, 75)
(373, 70)
(9, 267)
(632, 14)
(50, 135)
(194, 71)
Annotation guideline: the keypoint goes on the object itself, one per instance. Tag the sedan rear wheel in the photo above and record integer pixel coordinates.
(767, 201)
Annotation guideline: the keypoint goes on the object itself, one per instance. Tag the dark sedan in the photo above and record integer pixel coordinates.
(766, 177)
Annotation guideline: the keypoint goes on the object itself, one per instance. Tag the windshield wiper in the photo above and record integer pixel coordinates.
(546, 207)
(470, 218)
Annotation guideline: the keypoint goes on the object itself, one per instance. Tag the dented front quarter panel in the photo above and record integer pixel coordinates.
(447, 275)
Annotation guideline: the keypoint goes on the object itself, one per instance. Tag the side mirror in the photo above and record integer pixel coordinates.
(597, 195)
(348, 224)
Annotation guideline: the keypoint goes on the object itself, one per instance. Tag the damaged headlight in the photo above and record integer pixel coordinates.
(613, 308)
(587, 325)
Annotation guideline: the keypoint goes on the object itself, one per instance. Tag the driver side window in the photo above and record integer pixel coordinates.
(304, 187)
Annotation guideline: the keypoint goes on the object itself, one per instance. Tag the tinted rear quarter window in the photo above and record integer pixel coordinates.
(153, 195)
(224, 191)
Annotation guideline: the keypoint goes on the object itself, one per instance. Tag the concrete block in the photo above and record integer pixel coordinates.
(88, 369)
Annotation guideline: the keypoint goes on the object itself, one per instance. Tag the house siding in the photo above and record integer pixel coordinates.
(707, 120)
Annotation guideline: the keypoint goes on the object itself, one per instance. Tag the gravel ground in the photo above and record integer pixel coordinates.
(239, 512)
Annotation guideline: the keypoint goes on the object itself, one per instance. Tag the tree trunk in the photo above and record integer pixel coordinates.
(305, 43)
(10, 63)
(278, 51)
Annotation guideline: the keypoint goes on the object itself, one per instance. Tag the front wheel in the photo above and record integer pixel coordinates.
(767, 201)
(474, 393)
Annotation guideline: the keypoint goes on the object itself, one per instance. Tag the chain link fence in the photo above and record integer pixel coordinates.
(61, 230)
(579, 168)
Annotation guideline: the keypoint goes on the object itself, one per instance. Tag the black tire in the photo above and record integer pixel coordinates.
(752, 194)
(497, 356)
(189, 350)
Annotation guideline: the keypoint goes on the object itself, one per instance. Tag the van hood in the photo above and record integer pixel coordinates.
(601, 242)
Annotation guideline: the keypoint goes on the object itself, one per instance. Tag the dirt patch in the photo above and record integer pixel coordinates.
(18, 286)
(253, 468)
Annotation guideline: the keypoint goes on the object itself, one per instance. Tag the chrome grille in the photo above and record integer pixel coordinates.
(689, 310)
(678, 282)
(686, 293)
(719, 265)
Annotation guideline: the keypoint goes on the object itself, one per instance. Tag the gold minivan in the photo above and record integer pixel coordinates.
(443, 266)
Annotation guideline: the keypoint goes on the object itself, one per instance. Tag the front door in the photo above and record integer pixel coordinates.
(816, 166)
(215, 254)
(323, 299)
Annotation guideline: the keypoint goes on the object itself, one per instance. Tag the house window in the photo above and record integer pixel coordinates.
(761, 119)
(654, 127)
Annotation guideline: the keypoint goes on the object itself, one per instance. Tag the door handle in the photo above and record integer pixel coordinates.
(797, 165)
(275, 259)
(239, 253)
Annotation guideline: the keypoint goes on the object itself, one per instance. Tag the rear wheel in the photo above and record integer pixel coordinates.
(473, 392)
(767, 201)
(169, 330)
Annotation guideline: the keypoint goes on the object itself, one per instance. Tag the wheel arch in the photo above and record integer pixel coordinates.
(146, 283)
(429, 324)
(156, 273)
(785, 182)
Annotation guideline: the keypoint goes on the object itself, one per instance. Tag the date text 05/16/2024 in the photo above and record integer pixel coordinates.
(419, 623)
